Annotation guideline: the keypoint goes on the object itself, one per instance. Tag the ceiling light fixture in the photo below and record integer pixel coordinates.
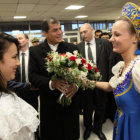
(19, 17)
(74, 7)
(81, 16)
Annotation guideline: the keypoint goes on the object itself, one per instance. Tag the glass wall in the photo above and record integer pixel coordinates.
(33, 28)
(110, 24)
(65, 25)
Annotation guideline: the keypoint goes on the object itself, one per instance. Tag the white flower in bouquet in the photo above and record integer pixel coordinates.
(62, 58)
(73, 68)
(75, 52)
(78, 61)
(68, 54)
(50, 70)
(83, 75)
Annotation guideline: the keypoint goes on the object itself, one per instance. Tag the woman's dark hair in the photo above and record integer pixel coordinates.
(5, 41)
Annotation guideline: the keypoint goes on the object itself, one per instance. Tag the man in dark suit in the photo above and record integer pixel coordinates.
(97, 50)
(57, 122)
(30, 95)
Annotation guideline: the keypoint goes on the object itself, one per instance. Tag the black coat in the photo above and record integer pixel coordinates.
(103, 52)
(30, 96)
(96, 98)
(57, 122)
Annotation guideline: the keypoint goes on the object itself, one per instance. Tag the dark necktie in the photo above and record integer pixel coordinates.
(23, 68)
(90, 57)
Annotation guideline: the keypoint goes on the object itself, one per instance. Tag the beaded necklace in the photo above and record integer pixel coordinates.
(125, 78)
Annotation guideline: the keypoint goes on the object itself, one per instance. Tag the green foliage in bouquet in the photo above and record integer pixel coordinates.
(63, 100)
(73, 68)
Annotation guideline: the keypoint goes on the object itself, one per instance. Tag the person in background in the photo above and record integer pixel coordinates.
(75, 43)
(98, 51)
(30, 95)
(35, 41)
(126, 80)
(98, 33)
(18, 120)
(105, 35)
(57, 122)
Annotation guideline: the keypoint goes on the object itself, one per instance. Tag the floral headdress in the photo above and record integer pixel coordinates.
(132, 12)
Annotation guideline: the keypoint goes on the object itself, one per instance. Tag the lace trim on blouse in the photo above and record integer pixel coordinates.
(117, 70)
(15, 114)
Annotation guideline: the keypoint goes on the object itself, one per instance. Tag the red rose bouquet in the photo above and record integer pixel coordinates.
(73, 68)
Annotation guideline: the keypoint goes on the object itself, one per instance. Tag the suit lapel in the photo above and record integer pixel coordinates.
(62, 48)
(18, 76)
(98, 49)
(45, 48)
(82, 49)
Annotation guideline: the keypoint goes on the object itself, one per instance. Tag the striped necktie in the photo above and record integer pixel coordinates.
(90, 57)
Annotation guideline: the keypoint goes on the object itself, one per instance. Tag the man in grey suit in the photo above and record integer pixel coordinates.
(99, 51)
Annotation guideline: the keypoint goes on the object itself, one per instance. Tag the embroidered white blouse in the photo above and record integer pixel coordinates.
(117, 69)
(18, 119)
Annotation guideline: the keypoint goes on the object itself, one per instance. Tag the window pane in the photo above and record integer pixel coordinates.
(110, 25)
(74, 26)
(104, 26)
(62, 27)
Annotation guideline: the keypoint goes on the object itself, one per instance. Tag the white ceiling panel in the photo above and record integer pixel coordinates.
(74, 2)
(40, 9)
(8, 1)
(25, 7)
(28, 1)
(48, 2)
(7, 7)
(43, 7)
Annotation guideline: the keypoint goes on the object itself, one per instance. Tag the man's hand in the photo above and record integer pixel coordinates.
(71, 90)
(60, 85)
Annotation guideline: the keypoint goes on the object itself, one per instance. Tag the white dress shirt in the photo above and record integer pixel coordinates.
(53, 48)
(93, 49)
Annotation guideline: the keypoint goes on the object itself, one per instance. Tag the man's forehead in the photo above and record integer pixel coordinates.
(20, 35)
(54, 24)
(84, 28)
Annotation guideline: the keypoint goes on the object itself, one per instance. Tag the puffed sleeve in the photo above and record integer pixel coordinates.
(115, 70)
(136, 75)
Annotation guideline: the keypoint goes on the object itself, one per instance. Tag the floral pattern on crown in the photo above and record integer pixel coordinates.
(132, 12)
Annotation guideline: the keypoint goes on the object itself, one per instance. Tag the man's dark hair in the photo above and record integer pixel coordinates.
(105, 33)
(45, 23)
(98, 31)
